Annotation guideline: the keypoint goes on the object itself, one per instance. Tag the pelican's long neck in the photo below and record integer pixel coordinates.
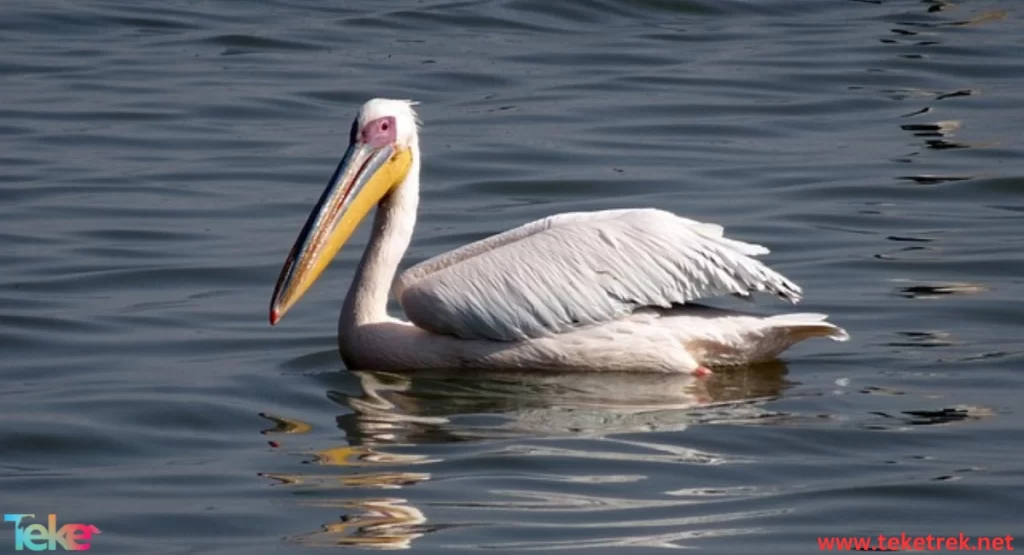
(393, 225)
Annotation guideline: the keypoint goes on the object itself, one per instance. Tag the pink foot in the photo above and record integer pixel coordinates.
(702, 372)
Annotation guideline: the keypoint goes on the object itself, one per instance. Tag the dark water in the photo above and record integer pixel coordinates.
(158, 159)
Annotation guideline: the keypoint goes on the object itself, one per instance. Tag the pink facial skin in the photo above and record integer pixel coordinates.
(379, 132)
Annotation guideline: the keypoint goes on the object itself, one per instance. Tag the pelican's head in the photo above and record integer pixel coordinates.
(380, 152)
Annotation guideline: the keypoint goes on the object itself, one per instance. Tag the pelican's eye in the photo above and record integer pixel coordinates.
(380, 132)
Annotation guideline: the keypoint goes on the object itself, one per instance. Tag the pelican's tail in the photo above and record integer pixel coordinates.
(770, 337)
(717, 337)
(804, 325)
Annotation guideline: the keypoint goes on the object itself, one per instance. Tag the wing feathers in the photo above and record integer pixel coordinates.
(568, 270)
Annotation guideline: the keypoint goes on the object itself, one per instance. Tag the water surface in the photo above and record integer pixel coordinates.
(158, 160)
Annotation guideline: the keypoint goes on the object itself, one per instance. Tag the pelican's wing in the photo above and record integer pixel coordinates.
(570, 270)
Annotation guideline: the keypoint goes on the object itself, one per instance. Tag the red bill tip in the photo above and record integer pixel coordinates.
(275, 316)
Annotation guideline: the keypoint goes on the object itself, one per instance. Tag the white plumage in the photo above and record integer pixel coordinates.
(589, 291)
(585, 268)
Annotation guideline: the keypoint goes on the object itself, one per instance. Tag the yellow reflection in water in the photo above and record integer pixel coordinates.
(361, 455)
(372, 524)
(284, 425)
(382, 480)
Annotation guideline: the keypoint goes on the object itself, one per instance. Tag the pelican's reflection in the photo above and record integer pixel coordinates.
(439, 407)
(388, 412)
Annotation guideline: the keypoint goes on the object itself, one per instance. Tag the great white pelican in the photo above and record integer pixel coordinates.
(612, 290)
